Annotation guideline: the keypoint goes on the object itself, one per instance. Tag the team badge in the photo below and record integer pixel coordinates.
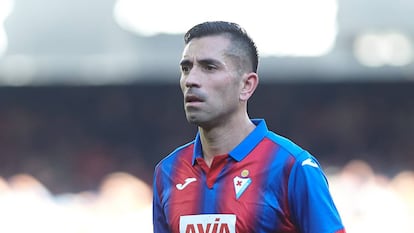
(241, 183)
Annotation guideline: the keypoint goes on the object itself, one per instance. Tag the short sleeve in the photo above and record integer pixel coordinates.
(311, 204)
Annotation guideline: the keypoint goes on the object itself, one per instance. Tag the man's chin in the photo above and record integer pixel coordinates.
(195, 120)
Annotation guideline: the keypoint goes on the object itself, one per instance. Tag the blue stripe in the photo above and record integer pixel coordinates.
(209, 198)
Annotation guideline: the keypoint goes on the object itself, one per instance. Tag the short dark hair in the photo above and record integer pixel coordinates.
(238, 36)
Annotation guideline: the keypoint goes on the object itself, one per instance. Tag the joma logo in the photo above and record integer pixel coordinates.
(208, 223)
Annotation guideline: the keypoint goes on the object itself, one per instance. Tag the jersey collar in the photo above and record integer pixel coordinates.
(241, 150)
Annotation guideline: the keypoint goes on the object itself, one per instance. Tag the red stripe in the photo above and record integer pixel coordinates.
(286, 173)
(245, 207)
(185, 201)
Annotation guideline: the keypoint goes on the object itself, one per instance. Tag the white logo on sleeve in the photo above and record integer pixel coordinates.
(208, 223)
(186, 182)
(309, 162)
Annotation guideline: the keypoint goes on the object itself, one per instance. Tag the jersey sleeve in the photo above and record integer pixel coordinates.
(159, 219)
(311, 204)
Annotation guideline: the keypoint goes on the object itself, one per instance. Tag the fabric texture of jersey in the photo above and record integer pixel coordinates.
(267, 182)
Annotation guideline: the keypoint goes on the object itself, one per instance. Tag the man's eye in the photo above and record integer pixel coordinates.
(185, 68)
(210, 67)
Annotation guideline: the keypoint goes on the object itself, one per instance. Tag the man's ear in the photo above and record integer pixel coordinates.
(249, 85)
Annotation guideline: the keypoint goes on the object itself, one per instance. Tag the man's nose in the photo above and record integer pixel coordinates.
(193, 78)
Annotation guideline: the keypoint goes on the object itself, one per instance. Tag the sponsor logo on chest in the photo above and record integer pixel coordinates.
(208, 223)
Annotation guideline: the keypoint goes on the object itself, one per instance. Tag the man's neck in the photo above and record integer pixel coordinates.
(224, 138)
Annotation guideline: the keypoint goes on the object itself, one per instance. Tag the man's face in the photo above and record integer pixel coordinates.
(209, 81)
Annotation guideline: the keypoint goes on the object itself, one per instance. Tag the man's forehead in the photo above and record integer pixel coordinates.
(206, 48)
(209, 43)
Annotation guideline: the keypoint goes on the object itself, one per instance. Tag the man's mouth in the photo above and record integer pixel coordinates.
(192, 98)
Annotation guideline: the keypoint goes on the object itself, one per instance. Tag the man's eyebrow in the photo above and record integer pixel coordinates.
(207, 61)
(204, 61)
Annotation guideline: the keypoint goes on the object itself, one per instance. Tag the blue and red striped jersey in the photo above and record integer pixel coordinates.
(265, 184)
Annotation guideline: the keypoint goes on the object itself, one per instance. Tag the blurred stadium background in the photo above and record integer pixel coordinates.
(89, 103)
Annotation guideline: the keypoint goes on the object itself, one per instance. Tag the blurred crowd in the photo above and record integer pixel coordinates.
(121, 204)
(80, 159)
(371, 202)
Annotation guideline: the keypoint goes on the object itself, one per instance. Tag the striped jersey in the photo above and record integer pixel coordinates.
(265, 184)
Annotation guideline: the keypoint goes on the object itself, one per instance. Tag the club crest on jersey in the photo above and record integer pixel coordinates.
(241, 183)
(208, 223)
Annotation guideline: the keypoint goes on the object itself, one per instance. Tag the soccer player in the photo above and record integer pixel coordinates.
(236, 175)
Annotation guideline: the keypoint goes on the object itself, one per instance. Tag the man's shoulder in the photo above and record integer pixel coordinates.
(286, 144)
(179, 152)
(302, 158)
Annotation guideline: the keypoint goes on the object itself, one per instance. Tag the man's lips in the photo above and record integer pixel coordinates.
(192, 98)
